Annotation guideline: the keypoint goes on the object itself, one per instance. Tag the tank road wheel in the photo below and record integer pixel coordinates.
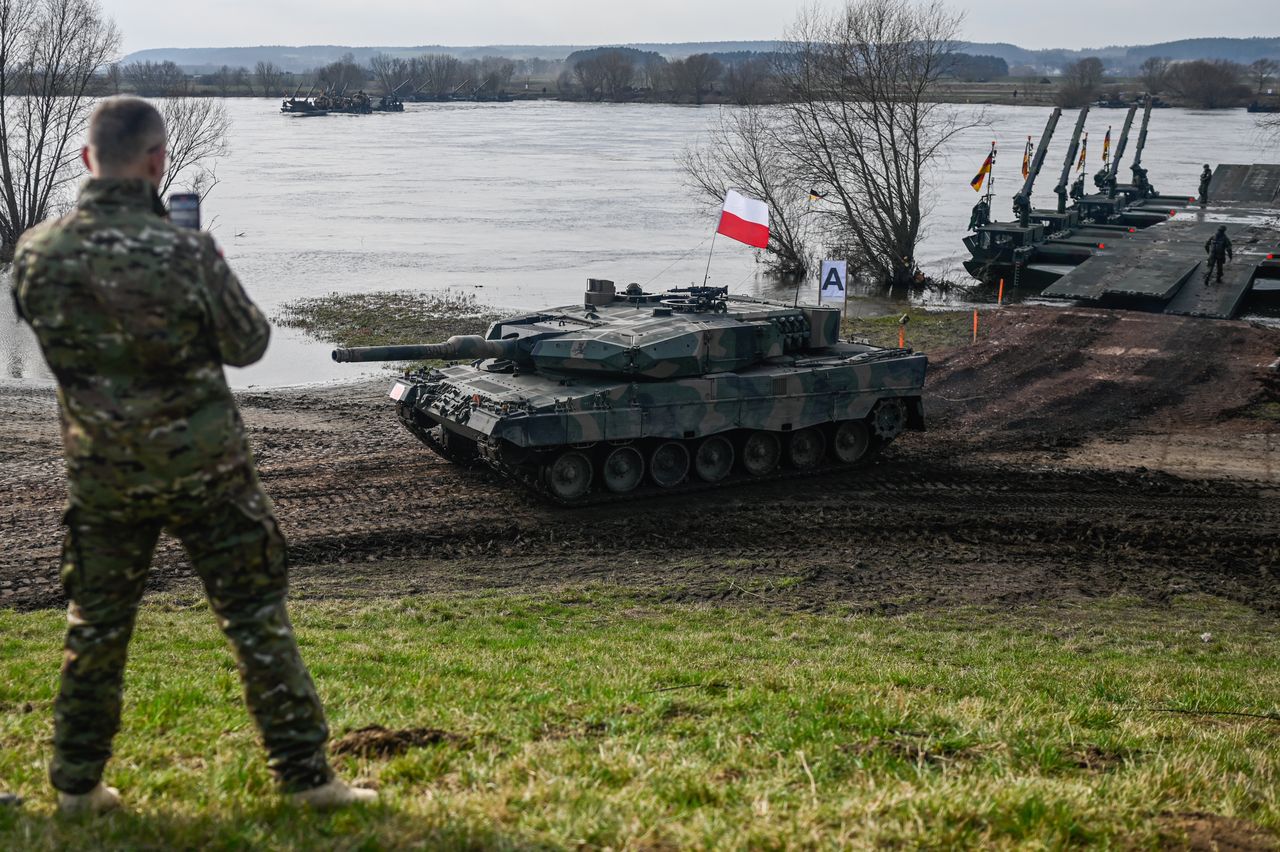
(669, 464)
(805, 448)
(852, 440)
(569, 476)
(889, 418)
(714, 459)
(761, 453)
(623, 470)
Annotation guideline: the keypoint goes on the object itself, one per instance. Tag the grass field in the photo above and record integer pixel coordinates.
(589, 719)
(926, 331)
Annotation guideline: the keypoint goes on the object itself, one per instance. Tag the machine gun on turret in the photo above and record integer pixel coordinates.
(1072, 150)
(1022, 201)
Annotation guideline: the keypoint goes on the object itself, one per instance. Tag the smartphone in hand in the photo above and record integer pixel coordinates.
(184, 210)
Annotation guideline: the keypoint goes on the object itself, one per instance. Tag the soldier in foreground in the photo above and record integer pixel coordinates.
(1218, 248)
(136, 317)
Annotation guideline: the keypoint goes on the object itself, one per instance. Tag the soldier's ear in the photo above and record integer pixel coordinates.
(84, 157)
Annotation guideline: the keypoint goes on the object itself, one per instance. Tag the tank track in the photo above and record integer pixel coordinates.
(530, 477)
(431, 436)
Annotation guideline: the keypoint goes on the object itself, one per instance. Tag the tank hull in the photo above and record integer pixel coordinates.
(518, 424)
(639, 394)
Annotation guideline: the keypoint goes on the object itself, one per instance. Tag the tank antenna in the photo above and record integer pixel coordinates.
(707, 276)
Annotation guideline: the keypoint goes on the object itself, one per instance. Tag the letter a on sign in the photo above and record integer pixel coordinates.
(831, 289)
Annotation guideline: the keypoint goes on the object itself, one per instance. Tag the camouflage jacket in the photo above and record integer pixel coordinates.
(136, 317)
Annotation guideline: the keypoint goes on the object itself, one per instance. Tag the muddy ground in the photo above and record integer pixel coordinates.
(1072, 454)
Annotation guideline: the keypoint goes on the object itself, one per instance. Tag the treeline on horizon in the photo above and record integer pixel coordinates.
(626, 74)
(618, 74)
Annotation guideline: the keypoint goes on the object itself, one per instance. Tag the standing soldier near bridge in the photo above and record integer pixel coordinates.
(136, 317)
(1206, 177)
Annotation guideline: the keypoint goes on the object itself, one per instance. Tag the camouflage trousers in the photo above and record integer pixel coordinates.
(1215, 263)
(239, 555)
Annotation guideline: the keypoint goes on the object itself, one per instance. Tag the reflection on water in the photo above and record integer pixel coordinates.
(520, 203)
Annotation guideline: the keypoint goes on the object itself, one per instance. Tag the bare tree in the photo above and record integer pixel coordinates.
(746, 151)
(493, 73)
(652, 72)
(1154, 74)
(565, 83)
(1209, 84)
(390, 72)
(1263, 71)
(694, 76)
(745, 82)
(50, 53)
(589, 75)
(343, 75)
(864, 122)
(155, 79)
(197, 131)
(442, 74)
(1081, 81)
(225, 80)
(617, 71)
(268, 76)
(1270, 125)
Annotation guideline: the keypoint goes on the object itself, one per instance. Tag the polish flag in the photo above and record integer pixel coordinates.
(745, 220)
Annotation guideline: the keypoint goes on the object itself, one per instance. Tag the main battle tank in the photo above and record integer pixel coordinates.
(637, 393)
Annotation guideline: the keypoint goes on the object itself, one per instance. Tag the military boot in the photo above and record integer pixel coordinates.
(333, 795)
(99, 800)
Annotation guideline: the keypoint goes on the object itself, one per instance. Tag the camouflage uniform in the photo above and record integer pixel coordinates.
(136, 317)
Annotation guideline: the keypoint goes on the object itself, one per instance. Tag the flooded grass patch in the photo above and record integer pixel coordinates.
(387, 318)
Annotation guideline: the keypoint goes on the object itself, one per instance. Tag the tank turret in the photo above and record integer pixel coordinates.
(685, 332)
(633, 392)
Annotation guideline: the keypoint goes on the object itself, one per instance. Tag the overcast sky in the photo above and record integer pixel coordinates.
(242, 23)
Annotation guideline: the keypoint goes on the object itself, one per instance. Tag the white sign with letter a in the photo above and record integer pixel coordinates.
(832, 289)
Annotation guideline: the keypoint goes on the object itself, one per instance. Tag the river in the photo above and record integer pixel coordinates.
(520, 203)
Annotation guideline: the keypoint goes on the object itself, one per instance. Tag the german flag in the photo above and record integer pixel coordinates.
(814, 195)
(1084, 151)
(1026, 158)
(985, 171)
(1106, 147)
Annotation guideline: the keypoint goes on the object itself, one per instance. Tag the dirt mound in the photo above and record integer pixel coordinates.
(377, 741)
(1199, 832)
(1052, 378)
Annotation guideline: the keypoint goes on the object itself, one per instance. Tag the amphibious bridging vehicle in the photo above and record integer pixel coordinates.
(639, 393)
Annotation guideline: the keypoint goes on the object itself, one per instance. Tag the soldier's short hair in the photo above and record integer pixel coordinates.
(122, 129)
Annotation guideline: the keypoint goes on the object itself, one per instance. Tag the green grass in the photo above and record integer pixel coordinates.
(926, 331)
(589, 719)
(1264, 411)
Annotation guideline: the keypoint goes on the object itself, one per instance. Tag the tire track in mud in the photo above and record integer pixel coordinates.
(942, 519)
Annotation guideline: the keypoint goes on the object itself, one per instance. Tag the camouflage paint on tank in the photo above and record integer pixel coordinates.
(649, 366)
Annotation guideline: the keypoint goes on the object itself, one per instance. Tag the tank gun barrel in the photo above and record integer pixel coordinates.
(458, 347)
(1072, 150)
(1022, 201)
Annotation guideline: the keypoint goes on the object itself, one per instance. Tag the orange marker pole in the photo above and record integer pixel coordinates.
(975, 325)
(902, 336)
(1000, 297)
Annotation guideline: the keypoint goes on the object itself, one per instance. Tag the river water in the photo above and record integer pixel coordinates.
(520, 203)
